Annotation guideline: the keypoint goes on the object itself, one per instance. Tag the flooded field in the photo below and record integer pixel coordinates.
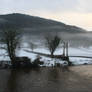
(76, 79)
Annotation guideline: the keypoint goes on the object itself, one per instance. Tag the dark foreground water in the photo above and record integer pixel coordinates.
(43, 80)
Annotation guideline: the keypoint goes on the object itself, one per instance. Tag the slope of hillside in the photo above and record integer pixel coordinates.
(32, 23)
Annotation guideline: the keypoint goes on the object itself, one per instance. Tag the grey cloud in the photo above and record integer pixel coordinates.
(43, 5)
(23, 6)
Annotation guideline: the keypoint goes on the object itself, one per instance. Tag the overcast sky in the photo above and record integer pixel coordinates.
(74, 12)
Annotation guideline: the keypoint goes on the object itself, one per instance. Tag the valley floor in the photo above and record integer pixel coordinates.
(49, 61)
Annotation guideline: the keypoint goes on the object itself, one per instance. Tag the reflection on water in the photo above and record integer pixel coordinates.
(43, 80)
(12, 82)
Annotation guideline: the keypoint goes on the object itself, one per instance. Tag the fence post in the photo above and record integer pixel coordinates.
(67, 49)
(64, 49)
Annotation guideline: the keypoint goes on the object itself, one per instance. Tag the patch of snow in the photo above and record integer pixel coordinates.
(22, 53)
(80, 61)
(49, 61)
(3, 55)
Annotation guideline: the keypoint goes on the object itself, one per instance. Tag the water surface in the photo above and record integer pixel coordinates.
(44, 80)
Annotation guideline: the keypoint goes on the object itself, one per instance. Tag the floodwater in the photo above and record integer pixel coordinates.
(45, 80)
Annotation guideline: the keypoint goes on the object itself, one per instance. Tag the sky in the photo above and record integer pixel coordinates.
(72, 12)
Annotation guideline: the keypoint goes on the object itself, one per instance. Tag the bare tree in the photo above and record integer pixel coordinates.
(11, 40)
(32, 46)
(52, 43)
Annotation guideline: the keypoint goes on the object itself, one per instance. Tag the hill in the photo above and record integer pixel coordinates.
(36, 24)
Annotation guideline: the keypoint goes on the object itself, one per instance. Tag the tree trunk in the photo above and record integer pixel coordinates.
(52, 54)
(11, 55)
(64, 49)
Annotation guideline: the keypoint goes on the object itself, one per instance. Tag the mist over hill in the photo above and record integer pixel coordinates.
(36, 27)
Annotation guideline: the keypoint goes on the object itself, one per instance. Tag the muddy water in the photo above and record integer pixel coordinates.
(45, 80)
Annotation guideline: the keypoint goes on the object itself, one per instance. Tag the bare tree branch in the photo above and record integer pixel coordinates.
(11, 40)
(52, 42)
